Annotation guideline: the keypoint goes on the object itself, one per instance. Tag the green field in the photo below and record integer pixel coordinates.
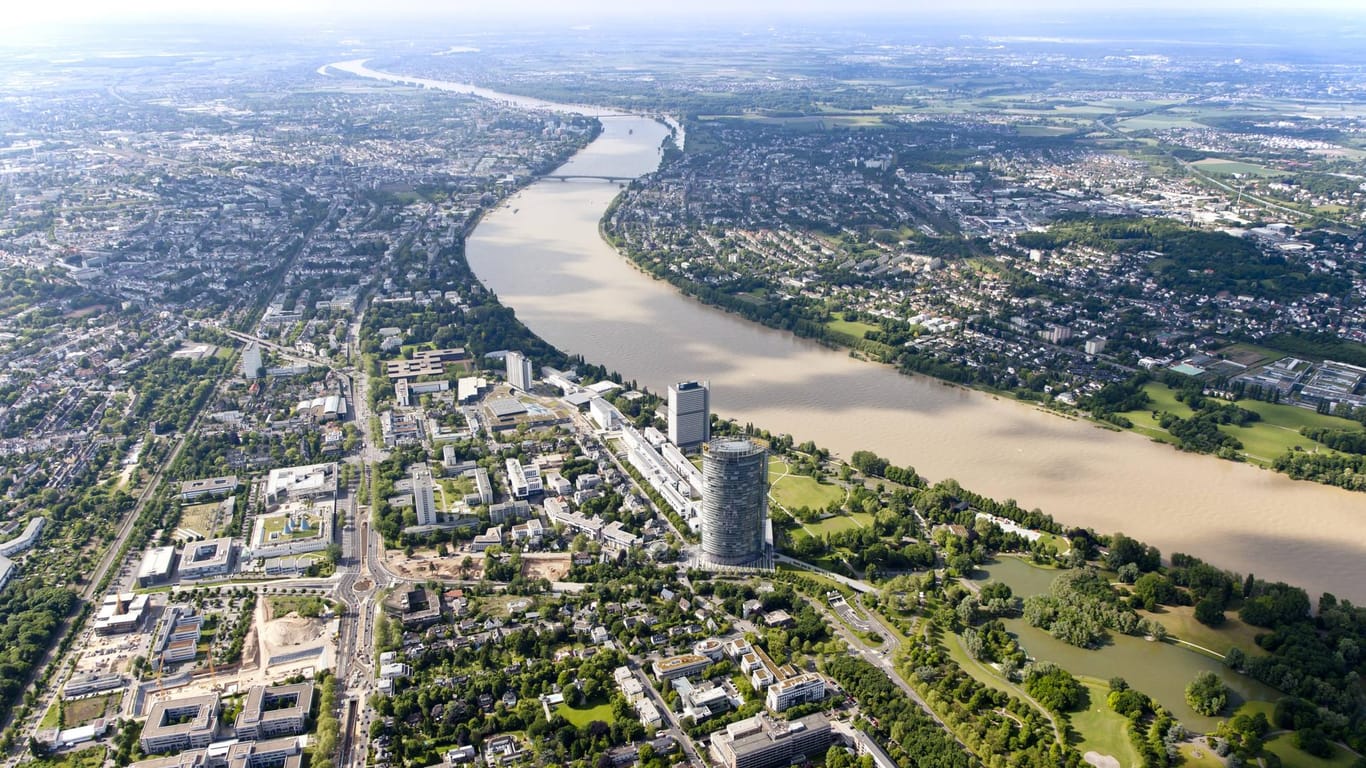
(1157, 123)
(582, 717)
(1043, 130)
(1283, 746)
(795, 491)
(81, 711)
(851, 328)
(1277, 432)
(1102, 729)
(92, 757)
(1216, 165)
(1181, 624)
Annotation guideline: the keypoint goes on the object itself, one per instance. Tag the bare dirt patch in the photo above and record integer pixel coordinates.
(1100, 761)
(427, 564)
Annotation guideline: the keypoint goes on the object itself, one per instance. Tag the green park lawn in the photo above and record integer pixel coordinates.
(582, 717)
(1277, 432)
(1181, 624)
(1283, 746)
(850, 328)
(1102, 729)
(795, 491)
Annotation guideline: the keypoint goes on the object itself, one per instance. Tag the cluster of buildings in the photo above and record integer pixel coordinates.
(267, 733)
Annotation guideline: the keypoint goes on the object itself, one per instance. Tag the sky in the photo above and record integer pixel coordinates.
(63, 12)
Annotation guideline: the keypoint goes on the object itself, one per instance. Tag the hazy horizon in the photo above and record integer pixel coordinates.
(82, 12)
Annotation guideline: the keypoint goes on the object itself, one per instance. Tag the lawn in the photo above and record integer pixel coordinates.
(582, 717)
(1277, 432)
(1102, 729)
(92, 757)
(203, 519)
(851, 328)
(1181, 624)
(81, 711)
(304, 605)
(794, 491)
(1283, 746)
(274, 527)
(1216, 165)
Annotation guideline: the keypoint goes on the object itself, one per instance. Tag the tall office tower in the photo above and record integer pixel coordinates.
(424, 503)
(734, 501)
(689, 414)
(519, 371)
(251, 361)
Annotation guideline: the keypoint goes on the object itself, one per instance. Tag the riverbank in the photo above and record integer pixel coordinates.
(549, 263)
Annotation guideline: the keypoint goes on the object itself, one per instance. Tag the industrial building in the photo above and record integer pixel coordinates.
(689, 414)
(734, 503)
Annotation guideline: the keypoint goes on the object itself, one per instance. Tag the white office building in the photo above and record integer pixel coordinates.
(519, 371)
(689, 414)
(424, 502)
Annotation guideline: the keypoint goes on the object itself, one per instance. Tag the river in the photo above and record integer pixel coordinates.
(541, 252)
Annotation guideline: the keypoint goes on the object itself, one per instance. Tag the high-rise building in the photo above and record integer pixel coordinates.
(251, 361)
(734, 502)
(689, 414)
(424, 502)
(519, 371)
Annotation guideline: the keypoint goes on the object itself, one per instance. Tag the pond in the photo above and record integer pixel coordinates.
(1161, 670)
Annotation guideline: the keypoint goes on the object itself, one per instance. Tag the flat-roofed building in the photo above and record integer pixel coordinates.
(689, 414)
(271, 711)
(762, 742)
(680, 666)
(88, 683)
(119, 613)
(178, 638)
(208, 486)
(24, 540)
(312, 481)
(156, 567)
(206, 558)
(523, 479)
(180, 724)
(286, 752)
(801, 689)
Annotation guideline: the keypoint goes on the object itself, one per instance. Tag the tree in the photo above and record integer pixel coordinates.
(1207, 694)
(1054, 687)
(1209, 612)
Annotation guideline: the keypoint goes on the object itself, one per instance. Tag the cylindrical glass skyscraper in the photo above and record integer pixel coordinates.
(734, 501)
